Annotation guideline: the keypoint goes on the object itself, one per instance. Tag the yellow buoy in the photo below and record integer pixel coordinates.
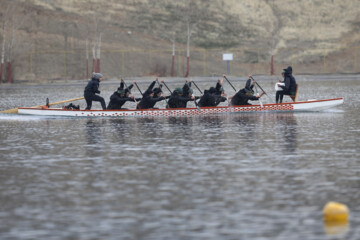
(335, 212)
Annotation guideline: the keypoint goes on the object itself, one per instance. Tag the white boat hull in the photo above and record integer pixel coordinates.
(311, 105)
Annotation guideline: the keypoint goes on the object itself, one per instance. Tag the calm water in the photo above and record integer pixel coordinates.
(236, 176)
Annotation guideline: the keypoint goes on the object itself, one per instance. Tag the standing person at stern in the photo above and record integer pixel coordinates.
(91, 89)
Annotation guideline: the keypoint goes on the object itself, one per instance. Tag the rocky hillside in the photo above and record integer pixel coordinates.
(295, 31)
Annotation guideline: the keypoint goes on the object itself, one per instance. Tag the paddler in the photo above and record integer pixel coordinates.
(290, 85)
(208, 99)
(243, 96)
(179, 100)
(213, 96)
(149, 100)
(121, 96)
(188, 93)
(91, 89)
(158, 91)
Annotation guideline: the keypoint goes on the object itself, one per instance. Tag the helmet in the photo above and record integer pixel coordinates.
(179, 90)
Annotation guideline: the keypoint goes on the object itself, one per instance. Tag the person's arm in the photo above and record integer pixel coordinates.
(130, 87)
(253, 98)
(131, 99)
(154, 100)
(95, 88)
(186, 99)
(151, 86)
(222, 99)
(218, 86)
(287, 84)
(219, 100)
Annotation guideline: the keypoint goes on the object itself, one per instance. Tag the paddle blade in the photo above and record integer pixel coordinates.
(14, 110)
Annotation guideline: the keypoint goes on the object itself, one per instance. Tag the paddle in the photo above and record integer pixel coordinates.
(196, 104)
(167, 87)
(229, 102)
(197, 87)
(256, 92)
(260, 88)
(139, 89)
(130, 93)
(229, 83)
(15, 110)
(167, 104)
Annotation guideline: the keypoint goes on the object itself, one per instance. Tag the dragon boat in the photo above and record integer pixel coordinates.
(304, 106)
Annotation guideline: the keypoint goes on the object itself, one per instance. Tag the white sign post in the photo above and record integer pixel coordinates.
(228, 57)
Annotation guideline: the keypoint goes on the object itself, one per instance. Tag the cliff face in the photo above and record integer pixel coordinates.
(280, 23)
(307, 27)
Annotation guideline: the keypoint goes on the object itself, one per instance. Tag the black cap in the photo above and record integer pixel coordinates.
(156, 90)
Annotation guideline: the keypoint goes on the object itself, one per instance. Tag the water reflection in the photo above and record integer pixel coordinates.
(247, 124)
(336, 229)
(94, 137)
(180, 120)
(180, 126)
(150, 129)
(213, 120)
(119, 130)
(180, 178)
(288, 125)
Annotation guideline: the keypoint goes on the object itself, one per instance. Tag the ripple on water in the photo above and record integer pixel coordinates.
(248, 176)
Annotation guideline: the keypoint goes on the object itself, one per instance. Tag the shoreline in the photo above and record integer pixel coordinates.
(146, 80)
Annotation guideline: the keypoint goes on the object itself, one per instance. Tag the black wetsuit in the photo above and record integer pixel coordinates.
(218, 89)
(177, 101)
(90, 94)
(180, 101)
(219, 99)
(116, 101)
(212, 97)
(148, 102)
(290, 85)
(240, 98)
(208, 99)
